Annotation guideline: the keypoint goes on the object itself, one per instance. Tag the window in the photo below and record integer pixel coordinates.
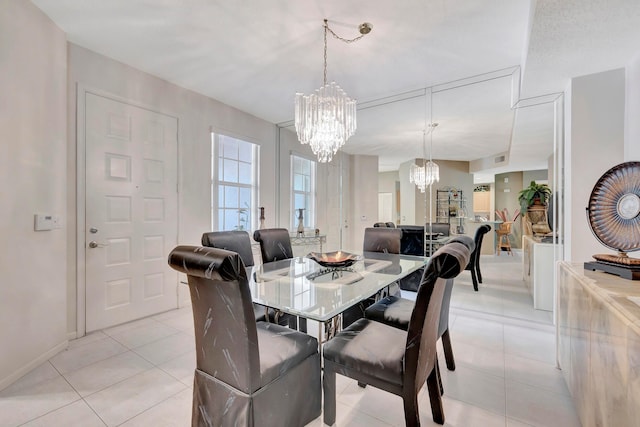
(303, 178)
(234, 180)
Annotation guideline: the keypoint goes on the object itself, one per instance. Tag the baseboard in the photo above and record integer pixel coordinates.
(6, 382)
(72, 335)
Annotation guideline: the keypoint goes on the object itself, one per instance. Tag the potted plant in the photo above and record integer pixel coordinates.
(534, 194)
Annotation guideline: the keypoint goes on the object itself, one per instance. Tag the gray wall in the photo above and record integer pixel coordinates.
(33, 172)
(536, 175)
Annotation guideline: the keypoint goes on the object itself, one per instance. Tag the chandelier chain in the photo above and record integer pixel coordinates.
(326, 118)
(326, 28)
(355, 39)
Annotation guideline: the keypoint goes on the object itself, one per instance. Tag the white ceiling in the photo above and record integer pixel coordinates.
(255, 55)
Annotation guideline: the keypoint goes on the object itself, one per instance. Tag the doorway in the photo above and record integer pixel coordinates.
(127, 211)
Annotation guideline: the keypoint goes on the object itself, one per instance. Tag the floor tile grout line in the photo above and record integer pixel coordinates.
(153, 406)
(545, 389)
(150, 342)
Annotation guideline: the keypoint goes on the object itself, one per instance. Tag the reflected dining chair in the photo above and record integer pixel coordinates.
(474, 262)
(392, 359)
(244, 368)
(503, 233)
(396, 311)
(382, 239)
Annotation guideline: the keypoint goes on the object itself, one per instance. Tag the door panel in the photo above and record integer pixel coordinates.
(131, 211)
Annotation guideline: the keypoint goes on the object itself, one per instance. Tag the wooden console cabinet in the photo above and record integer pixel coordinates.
(598, 336)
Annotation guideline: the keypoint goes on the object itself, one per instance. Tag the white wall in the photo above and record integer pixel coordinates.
(407, 194)
(387, 184)
(363, 185)
(329, 193)
(197, 116)
(33, 269)
(632, 113)
(594, 144)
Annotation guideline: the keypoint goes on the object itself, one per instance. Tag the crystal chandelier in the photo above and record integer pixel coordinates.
(427, 174)
(327, 118)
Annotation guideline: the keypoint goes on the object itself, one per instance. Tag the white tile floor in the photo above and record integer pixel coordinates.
(140, 374)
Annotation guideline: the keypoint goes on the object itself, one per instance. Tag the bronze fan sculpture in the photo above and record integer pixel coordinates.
(614, 217)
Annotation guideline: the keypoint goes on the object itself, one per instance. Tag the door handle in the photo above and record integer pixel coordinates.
(94, 244)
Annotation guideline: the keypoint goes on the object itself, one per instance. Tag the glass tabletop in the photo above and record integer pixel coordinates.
(302, 287)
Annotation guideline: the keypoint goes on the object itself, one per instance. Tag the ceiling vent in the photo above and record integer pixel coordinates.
(499, 159)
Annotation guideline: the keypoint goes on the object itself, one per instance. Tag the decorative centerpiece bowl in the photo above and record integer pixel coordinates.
(334, 259)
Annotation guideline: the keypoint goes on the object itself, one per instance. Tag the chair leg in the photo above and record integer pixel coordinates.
(439, 378)
(448, 351)
(478, 273)
(474, 279)
(292, 322)
(329, 392)
(437, 412)
(411, 413)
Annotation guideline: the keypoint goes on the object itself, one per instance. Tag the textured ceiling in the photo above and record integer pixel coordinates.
(255, 55)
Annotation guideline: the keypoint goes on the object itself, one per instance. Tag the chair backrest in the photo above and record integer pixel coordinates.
(380, 224)
(225, 325)
(412, 241)
(438, 227)
(480, 232)
(504, 227)
(390, 224)
(420, 352)
(378, 239)
(469, 243)
(235, 241)
(275, 244)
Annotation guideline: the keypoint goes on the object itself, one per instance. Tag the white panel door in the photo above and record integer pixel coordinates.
(385, 207)
(131, 211)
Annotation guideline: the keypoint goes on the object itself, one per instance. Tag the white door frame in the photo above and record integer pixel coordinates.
(81, 284)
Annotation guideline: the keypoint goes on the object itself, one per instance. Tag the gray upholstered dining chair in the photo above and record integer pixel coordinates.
(382, 239)
(244, 368)
(392, 359)
(236, 241)
(396, 311)
(239, 242)
(275, 244)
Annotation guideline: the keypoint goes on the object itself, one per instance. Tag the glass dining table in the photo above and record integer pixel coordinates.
(302, 287)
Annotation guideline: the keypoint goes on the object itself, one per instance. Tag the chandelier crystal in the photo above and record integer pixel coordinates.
(326, 119)
(424, 176)
(427, 174)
